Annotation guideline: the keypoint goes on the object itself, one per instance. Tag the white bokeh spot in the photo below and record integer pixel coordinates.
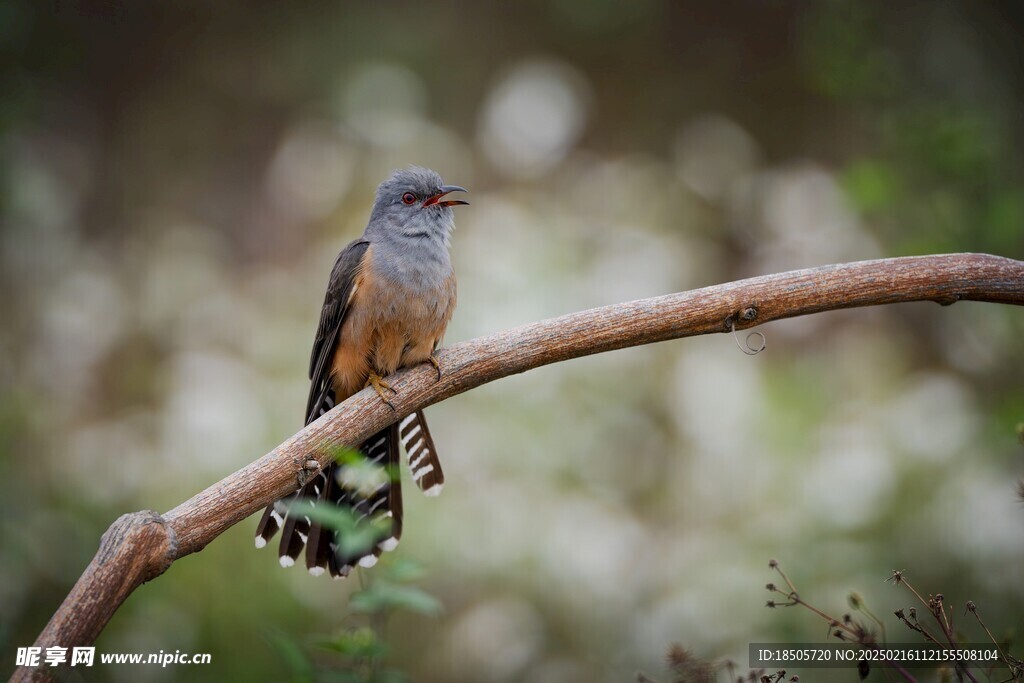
(533, 117)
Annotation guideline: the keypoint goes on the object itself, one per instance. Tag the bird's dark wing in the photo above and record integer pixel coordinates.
(321, 395)
(336, 303)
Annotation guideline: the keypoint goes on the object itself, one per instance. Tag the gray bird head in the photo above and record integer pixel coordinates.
(410, 204)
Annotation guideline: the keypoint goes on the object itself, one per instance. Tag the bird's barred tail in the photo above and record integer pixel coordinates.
(419, 450)
(369, 491)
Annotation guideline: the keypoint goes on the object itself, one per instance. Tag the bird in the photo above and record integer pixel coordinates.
(389, 299)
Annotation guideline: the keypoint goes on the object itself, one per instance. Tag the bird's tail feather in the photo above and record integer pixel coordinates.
(375, 499)
(366, 488)
(421, 453)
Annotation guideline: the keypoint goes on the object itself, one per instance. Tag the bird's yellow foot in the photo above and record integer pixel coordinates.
(380, 386)
(432, 359)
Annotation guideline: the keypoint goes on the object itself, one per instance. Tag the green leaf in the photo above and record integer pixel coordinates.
(385, 595)
(344, 455)
(355, 536)
(405, 570)
(356, 642)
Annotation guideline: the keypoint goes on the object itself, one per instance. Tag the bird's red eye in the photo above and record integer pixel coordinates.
(408, 198)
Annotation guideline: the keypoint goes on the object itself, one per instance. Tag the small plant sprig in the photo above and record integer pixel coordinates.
(356, 653)
(850, 629)
(936, 607)
(846, 628)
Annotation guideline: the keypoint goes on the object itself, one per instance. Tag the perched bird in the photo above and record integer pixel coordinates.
(389, 299)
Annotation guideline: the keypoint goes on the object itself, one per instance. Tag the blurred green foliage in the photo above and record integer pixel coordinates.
(356, 653)
(844, 54)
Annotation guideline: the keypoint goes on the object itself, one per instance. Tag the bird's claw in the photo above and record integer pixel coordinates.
(381, 387)
(432, 359)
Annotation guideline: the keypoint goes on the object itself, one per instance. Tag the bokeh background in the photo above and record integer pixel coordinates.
(177, 178)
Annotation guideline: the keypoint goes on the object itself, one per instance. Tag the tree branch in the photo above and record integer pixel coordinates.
(140, 546)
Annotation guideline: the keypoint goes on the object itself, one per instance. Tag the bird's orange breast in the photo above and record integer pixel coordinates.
(388, 325)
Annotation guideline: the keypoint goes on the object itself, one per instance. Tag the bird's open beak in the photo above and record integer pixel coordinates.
(442, 191)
